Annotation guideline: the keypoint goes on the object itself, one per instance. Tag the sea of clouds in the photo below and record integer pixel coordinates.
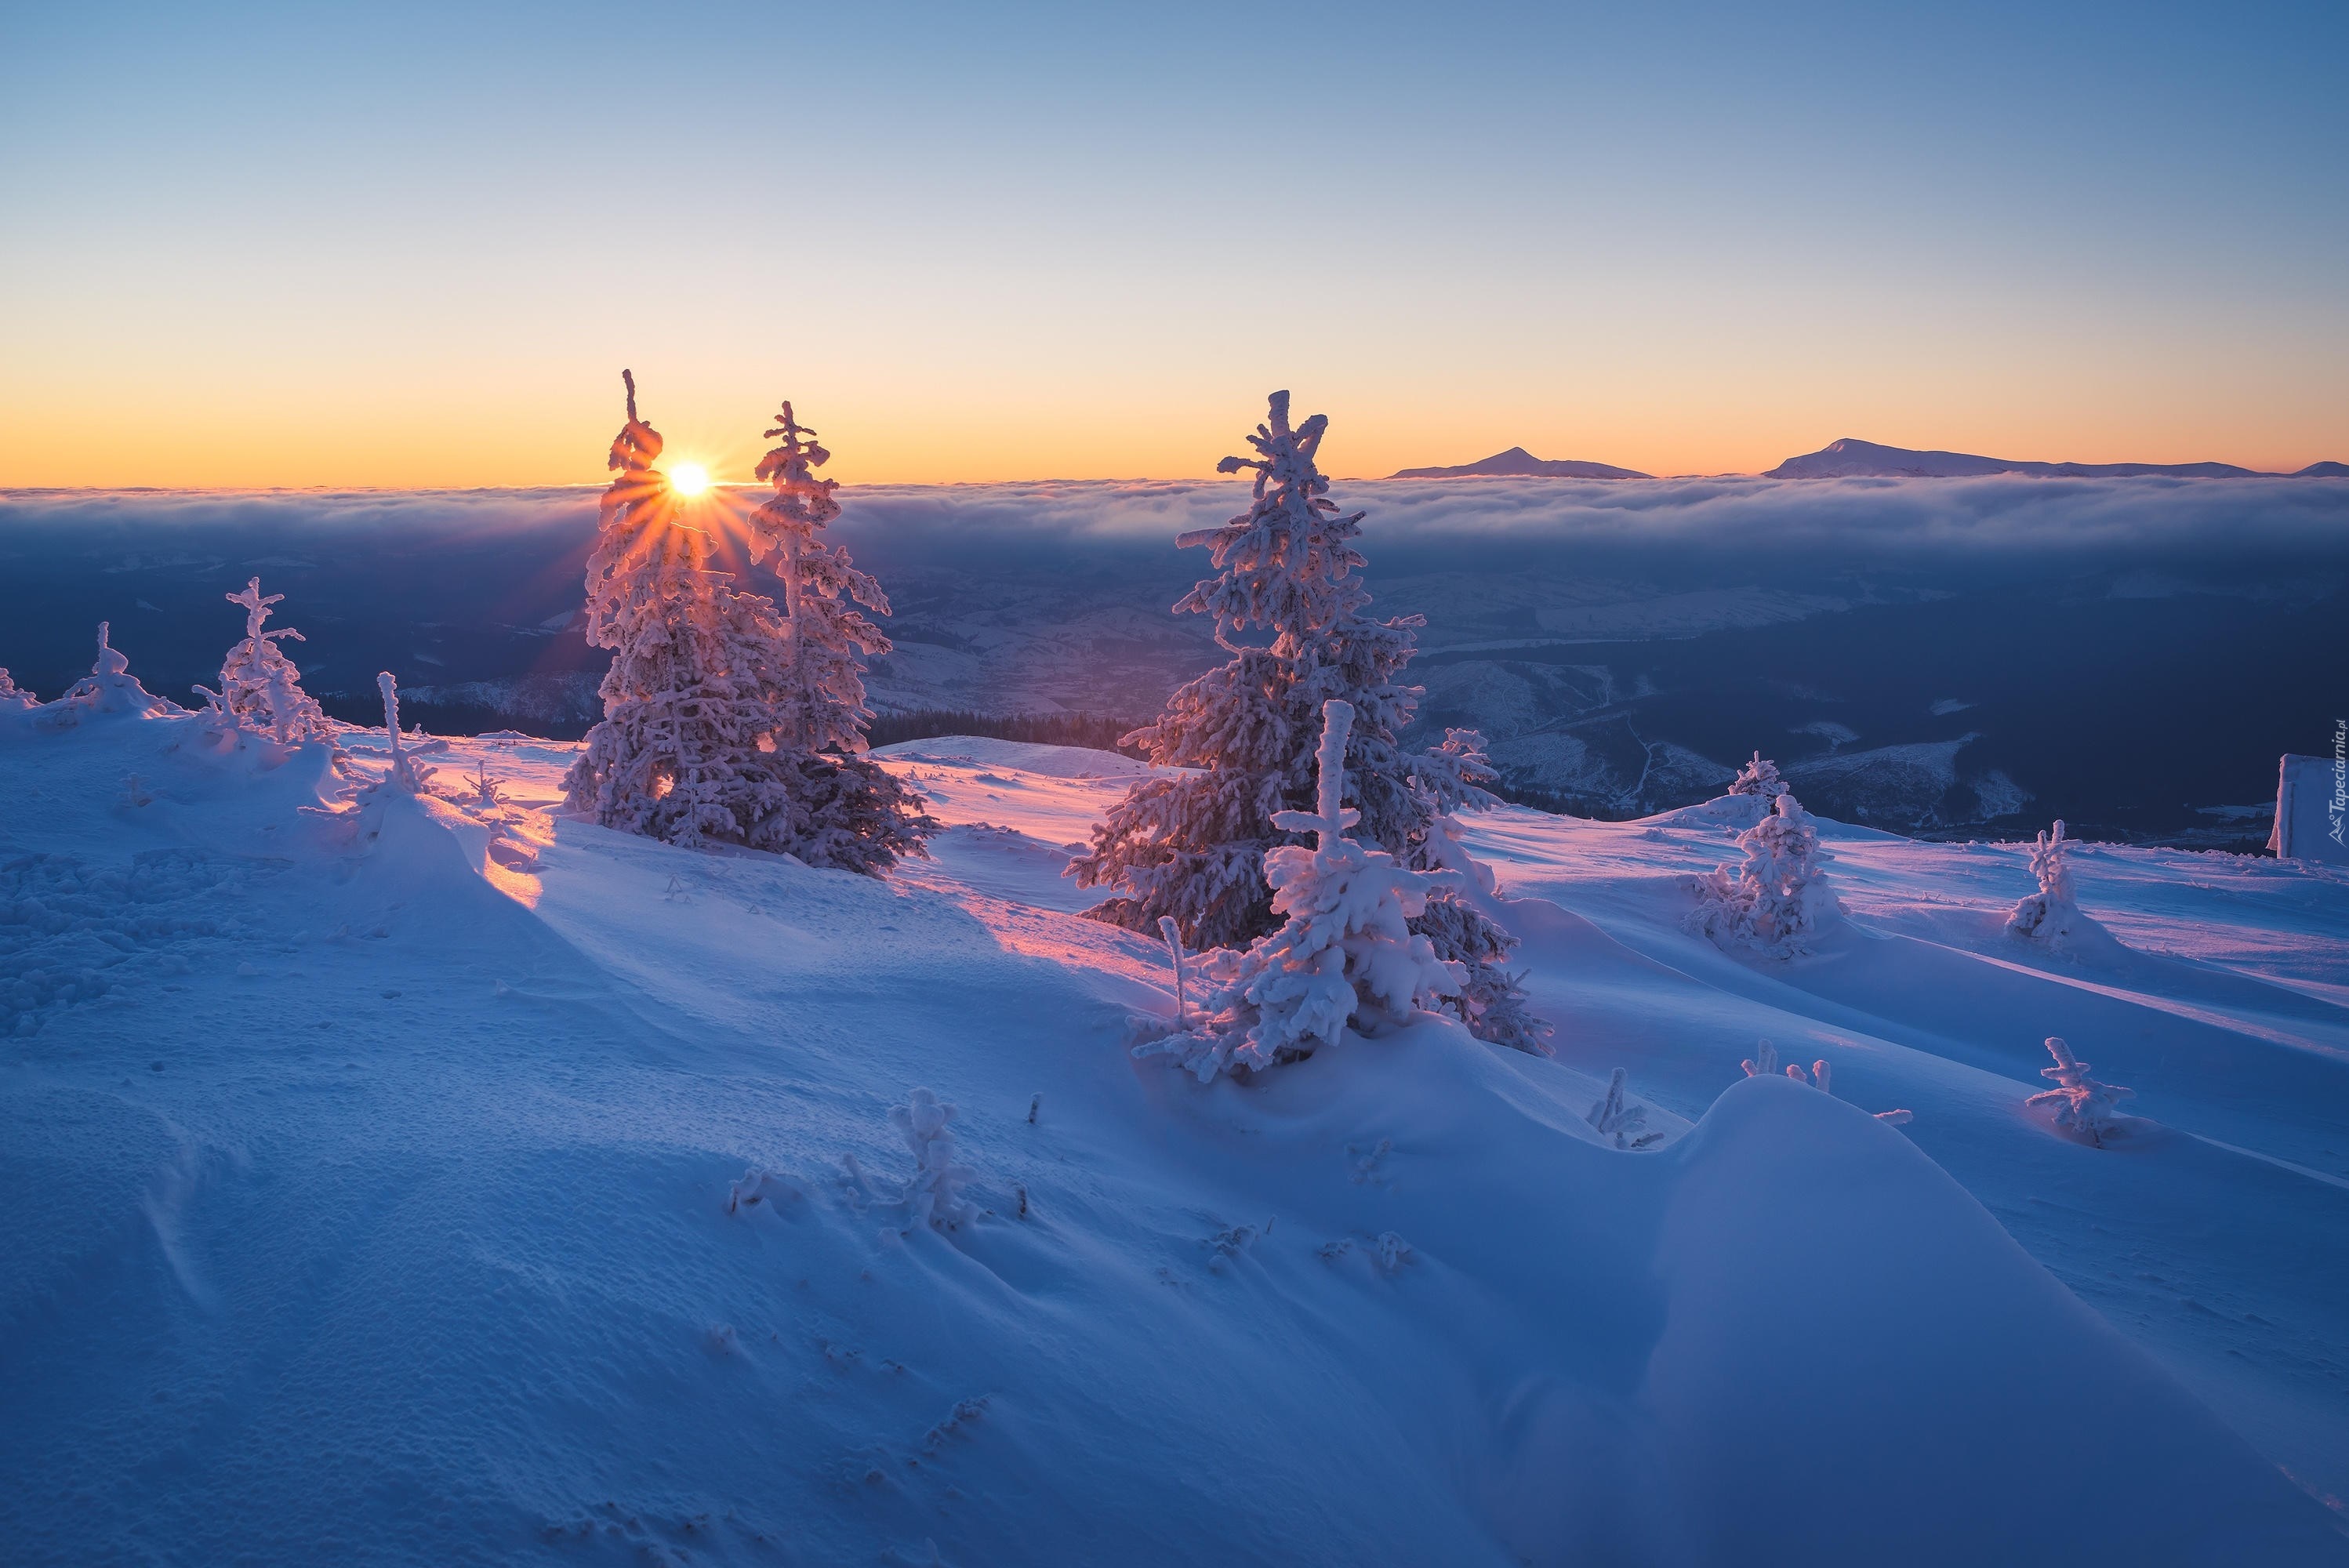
(1845, 518)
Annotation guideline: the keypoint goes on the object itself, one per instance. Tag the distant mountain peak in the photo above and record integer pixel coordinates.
(1851, 457)
(1519, 463)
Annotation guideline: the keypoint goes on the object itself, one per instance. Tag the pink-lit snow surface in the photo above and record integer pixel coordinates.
(366, 1186)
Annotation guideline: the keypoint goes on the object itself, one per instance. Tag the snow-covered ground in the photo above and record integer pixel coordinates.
(376, 1177)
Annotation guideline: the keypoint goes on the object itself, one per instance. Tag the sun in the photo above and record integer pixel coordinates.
(688, 478)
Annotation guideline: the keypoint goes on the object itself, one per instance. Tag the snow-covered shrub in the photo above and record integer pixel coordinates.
(109, 687)
(1621, 1122)
(759, 1189)
(1344, 953)
(488, 793)
(1758, 777)
(14, 695)
(2051, 914)
(2080, 1103)
(934, 1192)
(1290, 607)
(260, 688)
(1779, 897)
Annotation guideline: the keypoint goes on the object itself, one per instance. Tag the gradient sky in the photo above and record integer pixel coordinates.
(404, 245)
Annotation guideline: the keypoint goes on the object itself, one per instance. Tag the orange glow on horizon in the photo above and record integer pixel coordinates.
(542, 430)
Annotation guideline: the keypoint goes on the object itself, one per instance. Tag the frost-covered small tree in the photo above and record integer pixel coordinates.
(847, 811)
(934, 1192)
(405, 771)
(1290, 608)
(2051, 913)
(1621, 1121)
(1779, 897)
(14, 695)
(1758, 777)
(260, 687)
(488, 793)
(109, 687)
(1345, 953)
(2080, 1103)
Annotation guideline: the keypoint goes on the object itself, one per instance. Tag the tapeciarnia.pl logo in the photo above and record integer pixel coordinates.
(2338, 807)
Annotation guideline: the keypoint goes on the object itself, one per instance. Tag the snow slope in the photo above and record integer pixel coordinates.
(370, 1165)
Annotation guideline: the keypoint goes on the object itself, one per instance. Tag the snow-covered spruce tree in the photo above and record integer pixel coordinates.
(2051, 913)
(1779, 898)
(1758, 777)
(260, 687)
(685, 749)
(14, 695)
(1345, 953)
(847, 811)
(2081, 1104)
(1289, 608)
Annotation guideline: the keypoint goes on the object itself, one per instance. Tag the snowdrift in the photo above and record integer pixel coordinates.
(370, 1163)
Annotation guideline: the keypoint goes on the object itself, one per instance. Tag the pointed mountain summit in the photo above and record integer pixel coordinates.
(1849, 458)
(1519, 463)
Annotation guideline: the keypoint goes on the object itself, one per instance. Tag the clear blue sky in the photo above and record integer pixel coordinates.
(413, 244)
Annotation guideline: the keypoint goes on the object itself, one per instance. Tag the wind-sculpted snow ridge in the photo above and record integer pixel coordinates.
(395, 1225)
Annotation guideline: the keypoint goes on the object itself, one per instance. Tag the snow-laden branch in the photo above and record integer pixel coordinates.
(2080, 1103)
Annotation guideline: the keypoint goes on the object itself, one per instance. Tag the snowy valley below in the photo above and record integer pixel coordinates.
(1965, 657)
(427, 1179)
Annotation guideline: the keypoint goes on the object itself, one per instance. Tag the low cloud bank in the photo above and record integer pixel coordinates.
(1411, 523)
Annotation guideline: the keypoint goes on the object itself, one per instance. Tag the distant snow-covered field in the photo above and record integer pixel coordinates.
(381, 1177)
